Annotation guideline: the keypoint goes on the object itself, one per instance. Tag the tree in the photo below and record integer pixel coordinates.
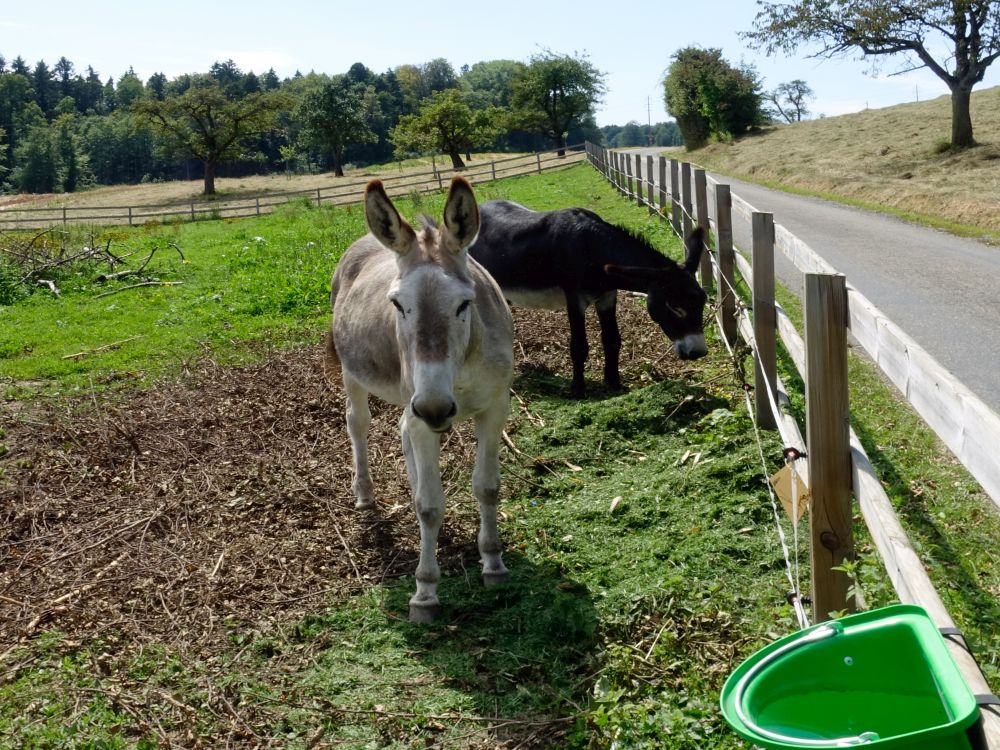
(129, 89)
(156, 86)
(709, 97)
(204, 123)
(336, 115)
(789, 100)
(487, 84)
(555, 93)
(36, 160)
(910, 28)
(44, 86)
(446, 123)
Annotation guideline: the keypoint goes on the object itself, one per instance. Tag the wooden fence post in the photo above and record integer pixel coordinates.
(727, 261)
(493, 168)
(650, 185)
(686, 198)
(538, 158)
(828, 441)
(639, 192)
(628, 174)
(675, 197)
(663, 186)
(701, 201)
(258, 205)
(318, 199)
(765, 323)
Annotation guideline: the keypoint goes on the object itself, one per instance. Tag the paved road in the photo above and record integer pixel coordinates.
(944, 291)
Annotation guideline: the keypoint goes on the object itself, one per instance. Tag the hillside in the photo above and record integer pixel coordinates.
(895, 157)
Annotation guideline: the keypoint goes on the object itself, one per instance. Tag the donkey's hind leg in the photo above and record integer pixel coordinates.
(486, 488)
(611, 338)
(359, 419)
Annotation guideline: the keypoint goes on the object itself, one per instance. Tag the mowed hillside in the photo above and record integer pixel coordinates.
(895, 157)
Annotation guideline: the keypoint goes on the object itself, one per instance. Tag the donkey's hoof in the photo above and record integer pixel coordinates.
(424, 612)
(495, 578)
(364, 503)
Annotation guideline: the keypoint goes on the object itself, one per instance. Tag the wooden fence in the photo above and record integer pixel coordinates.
(836, 461)
(343, 192)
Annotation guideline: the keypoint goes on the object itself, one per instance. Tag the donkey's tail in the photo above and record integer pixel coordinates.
(331, 362)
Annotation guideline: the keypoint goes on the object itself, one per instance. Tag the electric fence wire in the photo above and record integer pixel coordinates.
(791, 568)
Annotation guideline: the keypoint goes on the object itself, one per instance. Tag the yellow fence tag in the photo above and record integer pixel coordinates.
(793, 498)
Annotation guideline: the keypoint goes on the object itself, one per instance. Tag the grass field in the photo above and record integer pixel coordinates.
(896, 159)
(182, 566)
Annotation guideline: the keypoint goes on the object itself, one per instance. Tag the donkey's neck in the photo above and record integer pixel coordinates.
(620, 247)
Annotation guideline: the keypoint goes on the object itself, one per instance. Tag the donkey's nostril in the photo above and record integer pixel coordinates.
(436, 413)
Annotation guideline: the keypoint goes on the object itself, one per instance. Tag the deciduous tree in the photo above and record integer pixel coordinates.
(446, 123)
(789, 100)
(555, 93)
(709, 97)
(334, 116)
(909, 28)
(204, 123)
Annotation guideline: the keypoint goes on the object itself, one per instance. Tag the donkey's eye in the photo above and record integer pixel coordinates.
(397, 306)
(462, 308)
(680, 312)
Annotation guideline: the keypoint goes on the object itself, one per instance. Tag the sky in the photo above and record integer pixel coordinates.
(632, 43)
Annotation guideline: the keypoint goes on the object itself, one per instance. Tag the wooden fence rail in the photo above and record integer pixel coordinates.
(837, 461)
(344, 192)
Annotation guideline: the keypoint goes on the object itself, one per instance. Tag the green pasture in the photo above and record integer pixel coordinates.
(644, 556)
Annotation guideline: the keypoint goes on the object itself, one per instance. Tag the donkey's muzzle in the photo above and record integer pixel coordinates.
(437, 412)
(691, 347)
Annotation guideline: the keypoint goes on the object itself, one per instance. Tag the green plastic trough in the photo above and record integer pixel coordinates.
(882, 678)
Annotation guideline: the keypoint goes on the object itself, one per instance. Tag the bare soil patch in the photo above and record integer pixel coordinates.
(221, 502)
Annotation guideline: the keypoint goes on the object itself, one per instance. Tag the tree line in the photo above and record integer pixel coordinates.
(62, 130)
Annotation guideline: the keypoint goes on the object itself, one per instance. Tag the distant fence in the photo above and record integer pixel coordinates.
(343, 192)
(836, 461)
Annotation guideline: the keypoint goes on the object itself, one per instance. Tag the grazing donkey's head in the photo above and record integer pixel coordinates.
(432, 294)
(674, 298)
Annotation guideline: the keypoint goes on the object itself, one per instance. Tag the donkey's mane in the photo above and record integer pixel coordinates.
(427, 226)
(639, 240)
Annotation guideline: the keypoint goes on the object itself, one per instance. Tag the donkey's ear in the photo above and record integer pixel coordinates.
(384, 220)
(640, 276)
(694, 245)
(461, 216)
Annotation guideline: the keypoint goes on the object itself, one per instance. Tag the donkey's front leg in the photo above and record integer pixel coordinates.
(359, 419)
(578, 346)
(486, 487)
(428, 501)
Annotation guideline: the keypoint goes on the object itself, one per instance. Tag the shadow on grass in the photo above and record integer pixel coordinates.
(982, 607)
(523, 651)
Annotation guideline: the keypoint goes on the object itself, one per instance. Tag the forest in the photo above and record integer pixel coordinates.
(64, 130)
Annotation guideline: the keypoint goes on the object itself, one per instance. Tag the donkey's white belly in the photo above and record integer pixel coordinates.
(545, 299)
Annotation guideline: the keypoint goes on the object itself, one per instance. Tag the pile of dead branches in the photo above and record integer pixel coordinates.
(42, 259)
